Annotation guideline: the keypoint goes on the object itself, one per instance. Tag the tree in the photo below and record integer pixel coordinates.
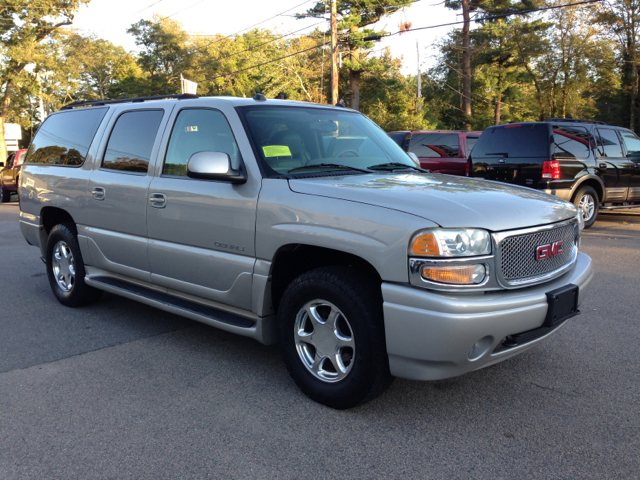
(353, 17)
(23, 29)
(622, 19)
(164, 54)
(480, 7)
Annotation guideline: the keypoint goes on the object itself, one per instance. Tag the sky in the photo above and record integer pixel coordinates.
(109, 19)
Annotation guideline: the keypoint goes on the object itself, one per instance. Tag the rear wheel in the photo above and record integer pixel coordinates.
(332, 337)
(6, 195)
(65, 268)
(586, 199)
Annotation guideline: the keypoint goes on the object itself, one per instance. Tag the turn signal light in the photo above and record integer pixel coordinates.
(551, 170)
(426, 244)
(459, 275)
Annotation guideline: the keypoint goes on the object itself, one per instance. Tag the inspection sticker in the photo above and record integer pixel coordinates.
(191, 129)
(276, 151)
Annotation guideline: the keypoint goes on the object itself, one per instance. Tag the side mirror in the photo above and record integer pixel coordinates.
(214, 166)
(415, 159)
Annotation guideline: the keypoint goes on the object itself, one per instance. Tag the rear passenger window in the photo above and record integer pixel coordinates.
(571, 142)
(608, 143)
(435, 145)
(64, 138)
(131, 141)
(471, 141)
(198, 130)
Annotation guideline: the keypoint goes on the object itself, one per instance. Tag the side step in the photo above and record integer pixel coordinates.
(617, 207)
(185, 305)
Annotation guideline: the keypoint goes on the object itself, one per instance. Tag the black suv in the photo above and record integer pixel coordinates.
(594, 165)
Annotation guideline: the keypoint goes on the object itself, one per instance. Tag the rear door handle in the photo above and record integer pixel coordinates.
(158, 200)
(98, 193)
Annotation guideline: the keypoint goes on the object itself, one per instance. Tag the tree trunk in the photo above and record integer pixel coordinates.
(354, 75)
(354, 80)
(498, 101)
(466, 67)
(4, 111)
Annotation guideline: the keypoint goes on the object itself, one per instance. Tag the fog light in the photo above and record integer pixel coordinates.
(459, 274)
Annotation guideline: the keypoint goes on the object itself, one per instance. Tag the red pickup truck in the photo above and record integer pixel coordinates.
(441, 151)
(10, 173)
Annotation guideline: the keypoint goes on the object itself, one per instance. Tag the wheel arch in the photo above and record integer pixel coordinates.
(49, 218)
(590, 181)
(293, 260)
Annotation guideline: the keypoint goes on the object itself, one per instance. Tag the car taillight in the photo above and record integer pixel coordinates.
(551, 169)
(468, 169)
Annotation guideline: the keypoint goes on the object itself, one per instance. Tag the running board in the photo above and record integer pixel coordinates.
(260, 328)
(616, 207)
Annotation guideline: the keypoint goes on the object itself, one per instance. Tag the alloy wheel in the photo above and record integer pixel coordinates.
(324, 341)
(63, 264)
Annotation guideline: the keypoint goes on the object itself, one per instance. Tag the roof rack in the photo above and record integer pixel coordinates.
(93, 103)
(574, 120)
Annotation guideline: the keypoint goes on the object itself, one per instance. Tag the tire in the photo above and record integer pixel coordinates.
(6, 196)
(65, 268)
(586, 199)
(357, 368)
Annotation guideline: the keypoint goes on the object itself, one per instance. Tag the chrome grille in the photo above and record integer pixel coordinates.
(517, 253)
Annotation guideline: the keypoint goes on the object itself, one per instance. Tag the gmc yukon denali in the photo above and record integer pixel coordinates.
(299, 224)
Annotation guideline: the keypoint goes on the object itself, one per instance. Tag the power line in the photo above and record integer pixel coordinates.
(523, 12)
(184, 9)
(146, 8)
(263, 21)
(259, 45)
(487, 18)
(270, 61)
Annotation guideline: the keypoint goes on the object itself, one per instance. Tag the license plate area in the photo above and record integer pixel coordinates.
(563, 304)
(502, 173)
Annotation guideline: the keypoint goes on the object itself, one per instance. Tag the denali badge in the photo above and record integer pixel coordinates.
(551, 250)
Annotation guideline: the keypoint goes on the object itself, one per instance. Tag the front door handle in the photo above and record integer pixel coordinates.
(158, 200)
(98, 193)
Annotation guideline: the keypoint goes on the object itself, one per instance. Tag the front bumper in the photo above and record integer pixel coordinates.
(431, 335)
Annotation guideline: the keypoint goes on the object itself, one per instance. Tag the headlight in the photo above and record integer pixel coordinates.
(580, 219)
(458, 242)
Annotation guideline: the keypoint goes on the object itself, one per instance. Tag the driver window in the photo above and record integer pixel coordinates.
(632, 143)
(198, 130)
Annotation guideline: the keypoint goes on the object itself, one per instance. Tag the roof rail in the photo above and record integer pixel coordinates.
(574, 120)
(93, 103)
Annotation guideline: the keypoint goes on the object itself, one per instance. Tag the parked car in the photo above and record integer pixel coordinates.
(300, 224)
(441, 151)
(594, 165)
(10, 174)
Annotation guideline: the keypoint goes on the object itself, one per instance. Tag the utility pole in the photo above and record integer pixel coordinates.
(334, 53)
(419, 78)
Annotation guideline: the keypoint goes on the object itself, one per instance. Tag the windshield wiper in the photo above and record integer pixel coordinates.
(504, 154)
(320, 166)
(394, 165)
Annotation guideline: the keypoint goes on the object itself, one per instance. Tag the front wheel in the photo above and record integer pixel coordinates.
(6, 195)
(332, 337)
(588, 203)
(65, 269)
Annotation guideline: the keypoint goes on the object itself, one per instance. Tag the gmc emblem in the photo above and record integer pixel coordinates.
(551, 250)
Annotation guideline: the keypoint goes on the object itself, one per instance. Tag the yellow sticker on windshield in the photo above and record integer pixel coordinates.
(276, 151)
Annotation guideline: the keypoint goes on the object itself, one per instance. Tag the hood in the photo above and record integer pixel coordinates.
(445, 200)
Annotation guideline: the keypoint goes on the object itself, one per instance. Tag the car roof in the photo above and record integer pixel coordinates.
(161, 101)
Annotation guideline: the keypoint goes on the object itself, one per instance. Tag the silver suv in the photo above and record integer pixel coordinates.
(300, 224)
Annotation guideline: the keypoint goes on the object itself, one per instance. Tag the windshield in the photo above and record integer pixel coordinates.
(319, 139)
